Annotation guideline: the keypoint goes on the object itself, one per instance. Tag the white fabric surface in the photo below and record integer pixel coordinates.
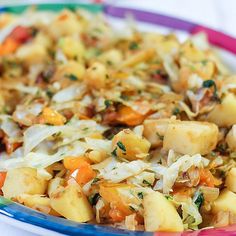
(218, 14)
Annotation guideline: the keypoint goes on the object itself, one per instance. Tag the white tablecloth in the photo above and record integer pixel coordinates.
(219, 14)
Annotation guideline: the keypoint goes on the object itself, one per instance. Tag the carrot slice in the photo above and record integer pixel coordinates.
(128, 116)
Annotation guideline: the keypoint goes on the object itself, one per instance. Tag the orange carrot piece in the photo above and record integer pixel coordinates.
(2, 178)
(80, 169)
(8, 46)
(128, 116)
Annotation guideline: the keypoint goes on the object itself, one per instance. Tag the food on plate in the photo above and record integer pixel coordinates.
(124, 128)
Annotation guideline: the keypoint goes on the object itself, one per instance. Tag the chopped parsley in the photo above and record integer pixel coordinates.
(175, 111)
(113, 153)
(93, 199)
(161, 137)
(132, 208)
(49, 93)
(133, 46)
(95, 180)
(124, 97)
(211, 83)
(121, 146)
(199, 199)
(72, 77)
(147, 183)
(204, 62)
(107, 103)
(168, 197)
(140, 195)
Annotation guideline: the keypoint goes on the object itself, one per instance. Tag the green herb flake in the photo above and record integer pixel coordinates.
(147, 183)
(140, 195)
(158, 72)
(168, 197)
(161, 137)
(121, 146)
(133, 46)
(175, 111)
(211, 83)
(72, 77)
(199, 199)
(49, 93)
(132, 208)
(93, 199)
(95, 180)
(124, 97)
(204, 62)
(107, 103)
(113, 153)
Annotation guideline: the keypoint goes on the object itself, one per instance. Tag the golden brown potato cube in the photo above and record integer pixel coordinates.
(230, 181)
(191, 137)
(96, 76)
(231, 138)
(23, 180)
(154, 130)
(71, 203)
(160, 214)
(224, 114)
(225, 202)
(128, 145)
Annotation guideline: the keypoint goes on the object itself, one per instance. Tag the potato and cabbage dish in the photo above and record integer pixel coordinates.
(116, 127)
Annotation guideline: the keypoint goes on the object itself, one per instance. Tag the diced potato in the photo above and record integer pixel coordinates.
(191, 53)
(154, 130)
(54, 184)
(70, 68)
(37, 202)
(64, 24)
(128, 145)
(96, 76)
(71, 47)
(23, 180)
(230, 181)
(32, 53)
(160, 214)
(225, 202)
(111, 57)
(231, 138)
(71, 203)
(97, 156)
(191, 137)
(224, 114)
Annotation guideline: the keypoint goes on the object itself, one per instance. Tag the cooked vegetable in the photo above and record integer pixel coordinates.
(71, 203)
(2, 178)
(154, 130)
(130, 146)
(191, 137)
(23, 180)
(225, 202)
(37, 202)
(231, 138)
(224, 113)
(160, 214)
(128, 116)
(79, 168)
(119, 127)
(230, 181)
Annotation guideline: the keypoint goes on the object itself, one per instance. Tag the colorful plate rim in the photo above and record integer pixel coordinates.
(24, 214)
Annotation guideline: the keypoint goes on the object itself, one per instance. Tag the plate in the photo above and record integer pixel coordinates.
(42, 224)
